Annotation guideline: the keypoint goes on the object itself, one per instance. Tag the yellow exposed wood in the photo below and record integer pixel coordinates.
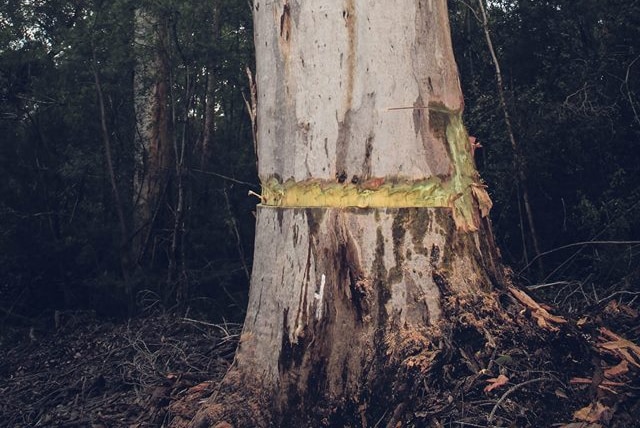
(316, 193)
(462, 192)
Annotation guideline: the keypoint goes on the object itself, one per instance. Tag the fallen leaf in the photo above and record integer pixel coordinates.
(200, 387)
(618, 370)
(579, 425)
(496, 382)
(579, 381)
(596, 412)
(620, 309)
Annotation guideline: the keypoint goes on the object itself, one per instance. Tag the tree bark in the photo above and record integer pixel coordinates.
(371, 238)
(336, 295)
(154, 158)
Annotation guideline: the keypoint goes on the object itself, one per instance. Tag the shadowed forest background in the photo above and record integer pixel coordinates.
(566, 194)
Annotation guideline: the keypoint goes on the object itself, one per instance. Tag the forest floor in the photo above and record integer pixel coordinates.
(85, 372)
(91, 373)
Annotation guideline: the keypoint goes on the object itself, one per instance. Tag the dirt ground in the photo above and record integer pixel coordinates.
(150, 371)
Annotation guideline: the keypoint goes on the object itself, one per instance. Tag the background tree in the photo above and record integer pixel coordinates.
(153, 144)
(63, 236)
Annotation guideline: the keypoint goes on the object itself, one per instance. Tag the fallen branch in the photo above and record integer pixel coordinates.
(542, 316)
(624, 349)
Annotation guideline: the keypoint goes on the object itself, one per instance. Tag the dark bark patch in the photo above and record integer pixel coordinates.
(342, 147)
(314, 217)
(295, 234)
(438, 122)
(416, 307)
(366, 163)
(280, 217)
(381, 286)
(359, 286)
(360, 296)
(434, 259)
(398, 230)
(419, 225)
(291, 354)
(448, 254)
(285, 22)
(384, 292)
(418, 114)
(441, 282)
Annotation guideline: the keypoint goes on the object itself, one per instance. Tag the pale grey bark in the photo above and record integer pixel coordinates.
(329, 74)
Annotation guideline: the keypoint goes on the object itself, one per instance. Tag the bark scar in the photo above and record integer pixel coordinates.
(285, 22)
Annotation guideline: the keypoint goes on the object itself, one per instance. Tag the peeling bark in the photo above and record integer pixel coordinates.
(344, 303)
(336, 279)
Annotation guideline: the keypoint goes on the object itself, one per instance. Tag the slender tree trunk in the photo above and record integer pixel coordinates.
(371, 240)
(519, 162)
(177, 271)
(154, 148)
(210, 94)
(124, 250)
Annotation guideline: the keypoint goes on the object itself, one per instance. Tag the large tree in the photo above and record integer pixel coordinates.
(372, 240)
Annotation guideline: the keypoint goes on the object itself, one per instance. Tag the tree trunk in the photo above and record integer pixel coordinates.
(154, 159)
(210, 92)
(371, 238)
(124, 248)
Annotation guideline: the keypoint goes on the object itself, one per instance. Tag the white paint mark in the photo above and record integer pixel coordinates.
(319, 296)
